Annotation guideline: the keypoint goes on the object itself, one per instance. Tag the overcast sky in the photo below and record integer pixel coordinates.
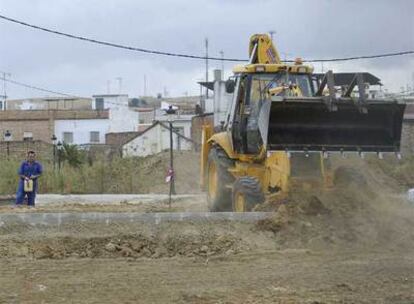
(307, 29)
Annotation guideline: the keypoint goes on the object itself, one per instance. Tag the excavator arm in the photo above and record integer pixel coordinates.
(262, 50)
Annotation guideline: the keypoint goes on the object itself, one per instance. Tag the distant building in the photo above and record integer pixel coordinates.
(138, 102)
(80, 121)
(93, 131)
(146, 118)
(221, 100)
(122, 118)
(155, 140)
(82, 131)
(41, 124)
(55, 103)
(181, 123)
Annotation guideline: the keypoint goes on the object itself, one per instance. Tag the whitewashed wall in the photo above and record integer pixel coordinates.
(183, 121)
(153, 141)
(81, 129)
(122, 118)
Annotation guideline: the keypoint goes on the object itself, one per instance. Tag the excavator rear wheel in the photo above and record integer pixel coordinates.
(247, 193)
(218, 178)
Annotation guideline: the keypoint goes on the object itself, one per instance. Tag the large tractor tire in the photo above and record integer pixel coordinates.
(219, 180)
(247, 193)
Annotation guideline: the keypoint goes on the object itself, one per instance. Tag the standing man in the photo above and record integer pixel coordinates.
(29, 170)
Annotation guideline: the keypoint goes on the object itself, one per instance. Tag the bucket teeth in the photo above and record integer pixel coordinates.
(398, 155)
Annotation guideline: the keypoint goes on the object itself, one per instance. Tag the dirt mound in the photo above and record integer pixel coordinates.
(153, 169)
(168, 241)
(360, 211)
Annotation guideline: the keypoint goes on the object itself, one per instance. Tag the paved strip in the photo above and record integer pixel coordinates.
(46, 199)
(46, 219)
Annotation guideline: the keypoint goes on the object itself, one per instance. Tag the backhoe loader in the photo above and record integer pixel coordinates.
(280, 129)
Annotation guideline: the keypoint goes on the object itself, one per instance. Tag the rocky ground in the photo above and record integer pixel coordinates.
(351, 244)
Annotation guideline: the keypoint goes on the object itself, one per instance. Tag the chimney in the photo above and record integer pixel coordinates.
(217, 75)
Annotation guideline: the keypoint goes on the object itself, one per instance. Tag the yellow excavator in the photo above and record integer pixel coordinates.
(280, 128)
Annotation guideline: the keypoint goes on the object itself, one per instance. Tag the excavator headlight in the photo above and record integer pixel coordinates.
(302, 70)
(260, 68)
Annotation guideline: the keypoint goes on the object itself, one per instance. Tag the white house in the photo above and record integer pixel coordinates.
(82, 131)
(181, 122)
(119, 118)
(156, 139)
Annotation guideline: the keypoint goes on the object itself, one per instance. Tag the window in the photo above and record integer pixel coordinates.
(27, 135)
(1, 105)
(68, 137)
(99, 103)
(179, 130)
(94, 137)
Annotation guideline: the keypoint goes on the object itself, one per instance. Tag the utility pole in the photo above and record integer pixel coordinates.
(171, 174)
(4, 96)
(172, 183)
(59, 152)
(108, 87)
(54, 139)
(222, 63)
(8, 137)
(119, 84)
(145, 85)
(206, 44)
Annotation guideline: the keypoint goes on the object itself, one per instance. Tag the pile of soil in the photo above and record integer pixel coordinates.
(153, 170)
(134, 246)
(363, 209)
(120, 240)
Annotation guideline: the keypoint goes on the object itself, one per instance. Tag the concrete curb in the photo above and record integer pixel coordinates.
(46, 199)
(53, 219)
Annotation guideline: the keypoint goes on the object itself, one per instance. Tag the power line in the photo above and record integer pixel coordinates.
(37, 88)
(25, 85)
(362, 57)
(116, 45)
(156, 52)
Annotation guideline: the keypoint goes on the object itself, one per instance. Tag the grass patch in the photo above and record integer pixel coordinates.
(129, 175)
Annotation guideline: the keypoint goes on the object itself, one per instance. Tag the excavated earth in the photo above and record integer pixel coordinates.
(351, 244)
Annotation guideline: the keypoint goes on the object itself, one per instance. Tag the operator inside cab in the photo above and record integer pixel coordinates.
(262, 87)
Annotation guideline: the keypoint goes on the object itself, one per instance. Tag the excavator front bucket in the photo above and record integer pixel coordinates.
(308, 124)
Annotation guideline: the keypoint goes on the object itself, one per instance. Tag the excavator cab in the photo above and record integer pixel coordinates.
(255, 90)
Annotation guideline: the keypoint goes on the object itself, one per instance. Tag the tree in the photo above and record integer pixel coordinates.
(73, 155)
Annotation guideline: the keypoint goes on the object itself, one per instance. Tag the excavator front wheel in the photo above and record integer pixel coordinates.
(247, 193)
(212, 181)
(218, 178)
(239, 204)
